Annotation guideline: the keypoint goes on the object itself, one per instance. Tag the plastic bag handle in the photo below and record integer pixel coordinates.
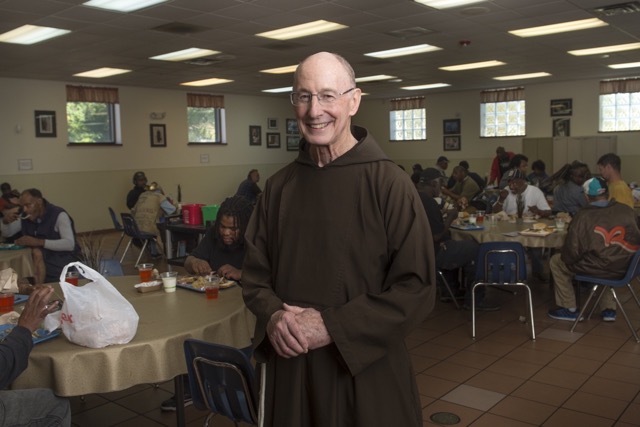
(86, 271)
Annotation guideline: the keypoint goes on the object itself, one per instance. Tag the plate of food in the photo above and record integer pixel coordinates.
(10, 246)
(538, 229)
(197, 283)
(38, 336)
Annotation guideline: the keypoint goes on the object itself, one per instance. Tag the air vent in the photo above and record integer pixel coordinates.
(618, 9)
(180, 28)
(406, 33)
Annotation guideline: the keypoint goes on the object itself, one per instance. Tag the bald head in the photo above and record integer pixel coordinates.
(326, 59)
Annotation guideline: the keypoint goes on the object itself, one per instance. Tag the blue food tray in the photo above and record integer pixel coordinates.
(41, 335)
(20, 298)
(10, 247)
(468, 227)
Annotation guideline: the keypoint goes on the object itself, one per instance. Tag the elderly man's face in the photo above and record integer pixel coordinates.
(517, 185)
(325, 123)
(32, 206)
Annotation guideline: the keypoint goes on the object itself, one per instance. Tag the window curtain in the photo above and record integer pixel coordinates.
(619, 86)
(105, 95)
(502, 95)
(199, 100)
(407, 103)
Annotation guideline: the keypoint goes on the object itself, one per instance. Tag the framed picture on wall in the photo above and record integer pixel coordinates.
(272, 123)
(255, 135)
(451, 127)
(561, 107)
(45, 124)
(292, 127)
(273, 140)
(451, 143)
(158, 135)
(561, 127)
(293, 142)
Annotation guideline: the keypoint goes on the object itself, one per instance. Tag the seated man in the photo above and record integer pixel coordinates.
(11, 227)
(520, 162)
(222, 248)
(465, 187)
(249, 187)
(538, 176)
(32, 406)
(601, 240)
(477, 178)
(150, 207)
(523, 199)
(568, 196)
(221, 251)
(48, 230)
(450, 254)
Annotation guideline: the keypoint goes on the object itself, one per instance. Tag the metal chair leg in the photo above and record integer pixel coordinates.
(118, 245)
(144, 245)
(624, 313)
(473, 310)
(125, 251)
(446, 285)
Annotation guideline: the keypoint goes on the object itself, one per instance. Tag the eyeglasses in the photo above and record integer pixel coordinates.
(324, 98)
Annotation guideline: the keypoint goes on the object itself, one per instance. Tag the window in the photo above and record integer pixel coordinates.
(93, 115)
(619, 105)
(205, 116)
(502, 112)
(408, 119)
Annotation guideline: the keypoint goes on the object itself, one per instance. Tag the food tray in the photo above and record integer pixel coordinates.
(144, 287)
(20, 298)
(38, 336)
(536, 233)
(184, 282)
(10, 246)
(467, 227)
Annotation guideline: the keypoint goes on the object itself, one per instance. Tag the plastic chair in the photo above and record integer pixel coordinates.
(222, 380)
(111, 267)
(632, 272)
(501, 264)
(131, 229)
(443, 279)
(118, 227)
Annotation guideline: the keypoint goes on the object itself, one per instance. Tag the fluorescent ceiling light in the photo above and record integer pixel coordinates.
(30, 34)
(206, 82)
(409, 50)
(446, 4)
(523, 76)
(279, 90)
(563, 27)
(281, 70)
(302, 30)
(185, 54)
(99, 73)
(472, 65)
(374, 78)
(626, 65)
(605, 49)
(122, 5)
(429, 86)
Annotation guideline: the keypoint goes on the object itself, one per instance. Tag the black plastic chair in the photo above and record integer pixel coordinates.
(632, 272)
(118, 227)
(111, 267)
(222, 380)
(501, 264)
(131, 229)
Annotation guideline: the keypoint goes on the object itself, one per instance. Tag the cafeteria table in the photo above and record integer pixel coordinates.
(18, 259)
(505, 231)
(156, 352)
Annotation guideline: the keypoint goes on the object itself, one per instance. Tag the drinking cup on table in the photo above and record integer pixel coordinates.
(6, 302)
(559, 224)
(145, 271)
(480, 217)
(212, 287)
(169, 281)
(71, 277)
(493, 219)
(472, 219)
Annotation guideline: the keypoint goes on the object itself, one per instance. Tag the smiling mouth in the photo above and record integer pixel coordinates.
(317, 125)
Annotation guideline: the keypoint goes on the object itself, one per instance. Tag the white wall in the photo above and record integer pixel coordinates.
(86, 180)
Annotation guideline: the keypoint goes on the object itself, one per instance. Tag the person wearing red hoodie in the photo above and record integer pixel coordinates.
(500, 165)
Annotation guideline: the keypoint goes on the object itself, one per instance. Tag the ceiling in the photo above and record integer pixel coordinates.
(101, 38)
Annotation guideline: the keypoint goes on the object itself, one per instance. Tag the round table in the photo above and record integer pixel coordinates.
(18, 259)
(156, 352)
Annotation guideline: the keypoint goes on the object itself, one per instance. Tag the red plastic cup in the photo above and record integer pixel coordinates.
(145, 271)
(71, 277)
(6, 302)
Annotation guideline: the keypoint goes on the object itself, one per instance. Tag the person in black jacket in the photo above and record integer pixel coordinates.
(139, 187)
(32, 406)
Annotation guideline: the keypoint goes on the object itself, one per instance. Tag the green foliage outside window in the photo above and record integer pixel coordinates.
(90, 122)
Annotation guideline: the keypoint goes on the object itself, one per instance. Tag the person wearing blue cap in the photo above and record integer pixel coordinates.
(601, 240)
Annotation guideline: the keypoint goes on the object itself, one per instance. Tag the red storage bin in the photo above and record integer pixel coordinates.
(192, 214)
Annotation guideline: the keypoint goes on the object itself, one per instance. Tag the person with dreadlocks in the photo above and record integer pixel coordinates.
(222, 248)
(220, 251)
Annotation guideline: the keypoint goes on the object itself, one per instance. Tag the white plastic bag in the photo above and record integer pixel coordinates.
(94, 315)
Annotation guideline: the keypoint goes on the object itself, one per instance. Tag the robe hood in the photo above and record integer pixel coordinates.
(366, 150)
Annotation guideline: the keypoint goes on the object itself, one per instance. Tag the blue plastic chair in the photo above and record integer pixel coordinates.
(501, 264)
(632, 272)
(131, 229)
(222, 380)
(118, 227)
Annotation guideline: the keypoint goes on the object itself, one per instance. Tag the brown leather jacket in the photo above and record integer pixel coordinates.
(602, 240)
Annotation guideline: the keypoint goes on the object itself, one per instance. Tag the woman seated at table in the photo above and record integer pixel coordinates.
(222, 248)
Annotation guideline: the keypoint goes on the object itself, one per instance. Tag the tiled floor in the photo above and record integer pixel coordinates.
(503, 378)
